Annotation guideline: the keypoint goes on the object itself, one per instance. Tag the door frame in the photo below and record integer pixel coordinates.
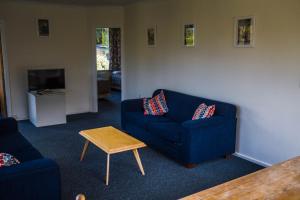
(94, 85)
(6, 70)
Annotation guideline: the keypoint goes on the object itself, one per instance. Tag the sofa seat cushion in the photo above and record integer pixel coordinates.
(15, 144)
(167, 130)
(142, 120)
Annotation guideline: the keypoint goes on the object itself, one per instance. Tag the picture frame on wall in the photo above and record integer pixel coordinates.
(189, 35)
(43, 27)
(151, 36)
(244, 29)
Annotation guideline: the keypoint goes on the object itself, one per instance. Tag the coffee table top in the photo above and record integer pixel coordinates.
(111, 140)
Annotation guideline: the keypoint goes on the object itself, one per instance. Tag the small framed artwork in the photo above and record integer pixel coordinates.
(43, 27)
(151, 36)
(244, 31)
(189, 35)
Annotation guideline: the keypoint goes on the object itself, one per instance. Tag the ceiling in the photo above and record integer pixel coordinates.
(86, 2)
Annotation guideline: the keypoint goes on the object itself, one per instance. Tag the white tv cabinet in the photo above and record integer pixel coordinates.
(47, 108)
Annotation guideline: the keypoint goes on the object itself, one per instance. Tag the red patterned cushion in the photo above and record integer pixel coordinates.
(204, 111)
(155, 106)
(7, 160)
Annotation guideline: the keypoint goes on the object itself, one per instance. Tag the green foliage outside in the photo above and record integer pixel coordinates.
(102, 48)
(189, 35)
(189, 38)
(102, 36)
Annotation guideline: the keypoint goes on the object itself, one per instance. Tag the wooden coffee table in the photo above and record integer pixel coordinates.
(111, 141)
(281, 181)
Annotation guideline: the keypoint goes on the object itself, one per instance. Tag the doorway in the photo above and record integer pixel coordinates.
(3, 105)
(108, 63)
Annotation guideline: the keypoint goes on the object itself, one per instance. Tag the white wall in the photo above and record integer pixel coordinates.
(264, 82)
(69, 46)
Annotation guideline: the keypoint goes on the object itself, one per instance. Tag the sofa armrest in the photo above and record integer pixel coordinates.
(201, 123)
(37, 179)
(8, 125)
(132, 105)
(208, 138)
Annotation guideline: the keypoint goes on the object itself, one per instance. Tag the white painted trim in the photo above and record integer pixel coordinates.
(94, 92)
(21, 118)
(122, 62)
(259, 162)
(6, 70)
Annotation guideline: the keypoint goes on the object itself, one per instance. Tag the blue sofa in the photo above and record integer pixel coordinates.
(176, 135)
(35, 178)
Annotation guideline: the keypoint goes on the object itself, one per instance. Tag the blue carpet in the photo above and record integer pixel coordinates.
(164, 179)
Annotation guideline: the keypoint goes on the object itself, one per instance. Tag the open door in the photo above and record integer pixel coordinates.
(3, 110)
(108, 63)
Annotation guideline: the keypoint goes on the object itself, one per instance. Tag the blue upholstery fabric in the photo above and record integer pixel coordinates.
(8, 125)
(155, 141)
(20, 148)
(213, 121)
(132, 105)
(166, 130)
(176, 134)
(182, 106)
(142, 120)
(35, 177)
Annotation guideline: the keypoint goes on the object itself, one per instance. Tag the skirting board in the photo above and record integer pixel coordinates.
(21, 118)
(259, 162)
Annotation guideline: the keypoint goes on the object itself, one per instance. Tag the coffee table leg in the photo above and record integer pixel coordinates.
(107, 169)
(138, 160)
(84, 149)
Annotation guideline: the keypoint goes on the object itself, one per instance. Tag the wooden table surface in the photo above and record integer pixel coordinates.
(111, 140)
(280, 182)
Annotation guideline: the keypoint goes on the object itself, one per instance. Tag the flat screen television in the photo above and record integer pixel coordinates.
(46, 79)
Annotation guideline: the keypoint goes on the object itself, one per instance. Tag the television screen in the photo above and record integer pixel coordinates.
(43, 79)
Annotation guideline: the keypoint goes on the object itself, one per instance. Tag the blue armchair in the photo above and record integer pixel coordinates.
(176, 135)
(35, 177)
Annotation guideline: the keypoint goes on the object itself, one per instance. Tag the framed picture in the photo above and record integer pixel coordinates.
(43, 27)
(151, 36)
(189, 35)
(244, 31)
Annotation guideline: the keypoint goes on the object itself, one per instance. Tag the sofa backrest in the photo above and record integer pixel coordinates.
(182, 106)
